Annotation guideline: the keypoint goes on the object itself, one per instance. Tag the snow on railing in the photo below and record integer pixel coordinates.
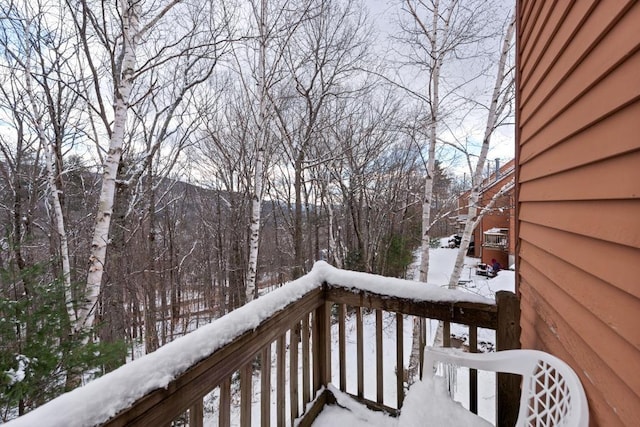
(107, 396)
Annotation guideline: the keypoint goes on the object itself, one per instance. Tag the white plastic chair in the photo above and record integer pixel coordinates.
(552, 394)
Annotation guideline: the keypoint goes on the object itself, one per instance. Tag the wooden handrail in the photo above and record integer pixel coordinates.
(165, 404)
(467, 313)
(502, 316)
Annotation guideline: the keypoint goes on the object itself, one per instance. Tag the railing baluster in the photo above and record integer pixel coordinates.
(507, 338)
(280, 372)
(342, 346)
(315, 351)
(399, 359)
(321, 346)
(265, 387)
(360, 351)
(328, 306)
(246, 381)
(306, 376)
(294, 335)
(224, 410)
(423, 340)
(446, 334)
(196, 413)
(473, 373)
(379, 365)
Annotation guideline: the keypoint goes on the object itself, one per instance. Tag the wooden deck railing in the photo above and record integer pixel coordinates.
(186, 393)
(292, 350)
(503, 317)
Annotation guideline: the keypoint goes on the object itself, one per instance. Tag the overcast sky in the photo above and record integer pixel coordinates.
(384, 14)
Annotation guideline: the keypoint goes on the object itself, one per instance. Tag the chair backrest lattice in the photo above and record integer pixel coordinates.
(549, 398)
(552, 394)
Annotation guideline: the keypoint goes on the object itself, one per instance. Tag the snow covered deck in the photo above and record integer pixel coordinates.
(172, 382)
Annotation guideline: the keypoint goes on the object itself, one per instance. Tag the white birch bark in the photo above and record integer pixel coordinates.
(434, 102)
(426, 209)
(495, 110)
(53, 186)
(130, 23)
(60, 229)
(434, 99)
(256, 199)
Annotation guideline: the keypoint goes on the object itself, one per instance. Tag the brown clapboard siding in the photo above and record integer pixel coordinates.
(620, 269)
(607, 138)
(591, 29)
(606, 97)
(543, 336)
(585, 218)
(583, 333)
(611, 179)
(538, 30)
(596, 64)
(532, 57)
(589, 24)
(578, 194)
(594, 295)
(526, 36)
(525, 12)
(532, 74)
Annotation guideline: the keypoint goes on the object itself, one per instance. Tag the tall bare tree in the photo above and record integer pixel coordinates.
(325, 59)
(439, 33)
(501, 98)
(277, 22)
(133, 37)
(40, 57)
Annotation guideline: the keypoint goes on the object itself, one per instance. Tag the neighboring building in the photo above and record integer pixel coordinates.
(493, 237)
(578, 192)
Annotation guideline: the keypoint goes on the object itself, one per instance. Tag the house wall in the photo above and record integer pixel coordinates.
(578, 189)
(499, 217)
(502, 216)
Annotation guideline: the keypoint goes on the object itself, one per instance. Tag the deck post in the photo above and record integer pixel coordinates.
(399, 360)
(507, 338)
(246, 379)
(196, 413)
(322, 345)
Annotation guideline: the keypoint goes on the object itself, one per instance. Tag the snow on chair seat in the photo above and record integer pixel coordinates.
(552, 394)
(428, 404)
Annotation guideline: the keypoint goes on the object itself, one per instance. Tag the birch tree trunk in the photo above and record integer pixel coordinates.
(256, 197)
(100, 240)
(60, 227)
(425, 244)
(51, 181)
(428, 194)
(452, 34)
(498, 103)
(434, 100)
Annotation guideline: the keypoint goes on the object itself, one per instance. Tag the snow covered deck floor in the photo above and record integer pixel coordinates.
(349, 412)
(219, 370)
(428, 403)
